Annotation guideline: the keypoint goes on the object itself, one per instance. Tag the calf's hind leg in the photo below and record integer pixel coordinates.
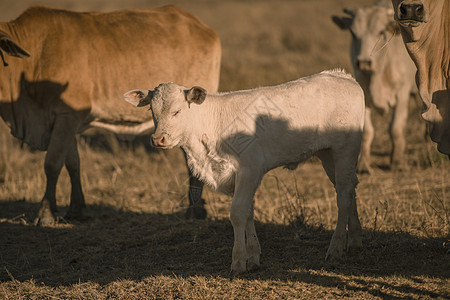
(368, 134)
(342, 174)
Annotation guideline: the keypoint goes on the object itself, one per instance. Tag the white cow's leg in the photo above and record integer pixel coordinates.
(73, 167)
(354, 226)
(240, 212)
(364, 158)
(253, 247)
(397, 130)
(61, 140)
(346, 181)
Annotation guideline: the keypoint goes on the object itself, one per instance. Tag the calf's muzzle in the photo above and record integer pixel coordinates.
(159, 140)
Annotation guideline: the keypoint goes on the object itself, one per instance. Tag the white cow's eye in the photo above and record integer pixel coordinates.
(176, 113)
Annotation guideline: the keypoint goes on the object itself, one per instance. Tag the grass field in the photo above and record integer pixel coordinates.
(134, 241)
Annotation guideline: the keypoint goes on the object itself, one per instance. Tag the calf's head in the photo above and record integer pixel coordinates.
(371, 28)
(171, 108)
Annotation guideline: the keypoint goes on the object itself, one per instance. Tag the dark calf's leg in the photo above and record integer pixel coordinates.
(76, 197)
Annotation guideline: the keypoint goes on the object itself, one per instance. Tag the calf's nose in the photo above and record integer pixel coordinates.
(159, 140)
(411, 12)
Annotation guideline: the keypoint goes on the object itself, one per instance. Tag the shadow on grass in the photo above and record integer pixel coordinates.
(110, 245)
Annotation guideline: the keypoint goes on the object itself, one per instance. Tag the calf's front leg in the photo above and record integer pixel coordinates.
(246, 249)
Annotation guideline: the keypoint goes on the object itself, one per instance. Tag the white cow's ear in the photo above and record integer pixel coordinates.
(138, 98)
(342, 22)
(195, 95)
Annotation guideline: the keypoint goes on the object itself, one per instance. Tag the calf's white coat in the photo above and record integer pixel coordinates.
(232, 139)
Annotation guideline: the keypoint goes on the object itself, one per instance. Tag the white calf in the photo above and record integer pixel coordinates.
(232, 139)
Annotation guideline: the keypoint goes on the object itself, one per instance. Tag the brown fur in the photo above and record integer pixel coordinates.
(82, 63)
(428, 46)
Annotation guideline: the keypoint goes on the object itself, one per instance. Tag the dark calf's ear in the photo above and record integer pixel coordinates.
(195, 95)
(138, 98)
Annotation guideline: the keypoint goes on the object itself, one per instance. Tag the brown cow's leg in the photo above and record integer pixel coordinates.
(196, 209)
(60, 144)
(76, 197)
(48, 203)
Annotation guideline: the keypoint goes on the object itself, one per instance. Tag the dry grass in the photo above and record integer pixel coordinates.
(134, 241)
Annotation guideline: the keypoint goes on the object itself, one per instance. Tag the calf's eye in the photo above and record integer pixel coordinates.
(176, 113)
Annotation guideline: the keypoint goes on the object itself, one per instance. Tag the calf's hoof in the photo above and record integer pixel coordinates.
(253, 262)
(238, 267)
(252, 267)
(337, 248)
(196, 212)
(354, 243)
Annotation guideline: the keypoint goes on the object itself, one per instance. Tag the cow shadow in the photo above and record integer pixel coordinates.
(30, 120)
(29, 116)
(113, 245)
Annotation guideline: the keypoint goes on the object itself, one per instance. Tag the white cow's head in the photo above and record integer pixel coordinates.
(371, 28)
(170, 105)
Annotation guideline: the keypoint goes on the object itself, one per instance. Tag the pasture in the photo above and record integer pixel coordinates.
(134, 241)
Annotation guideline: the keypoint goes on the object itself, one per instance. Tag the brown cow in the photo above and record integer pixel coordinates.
(79, 66)
(425, 28)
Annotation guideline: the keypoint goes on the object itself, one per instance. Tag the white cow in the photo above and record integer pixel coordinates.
(232, 139)
(385, 72)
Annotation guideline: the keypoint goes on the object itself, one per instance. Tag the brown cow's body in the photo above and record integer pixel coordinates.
(80, 65)
(425, 27)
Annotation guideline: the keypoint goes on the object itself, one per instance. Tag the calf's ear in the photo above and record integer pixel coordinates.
(195, 95)
(138, 98)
